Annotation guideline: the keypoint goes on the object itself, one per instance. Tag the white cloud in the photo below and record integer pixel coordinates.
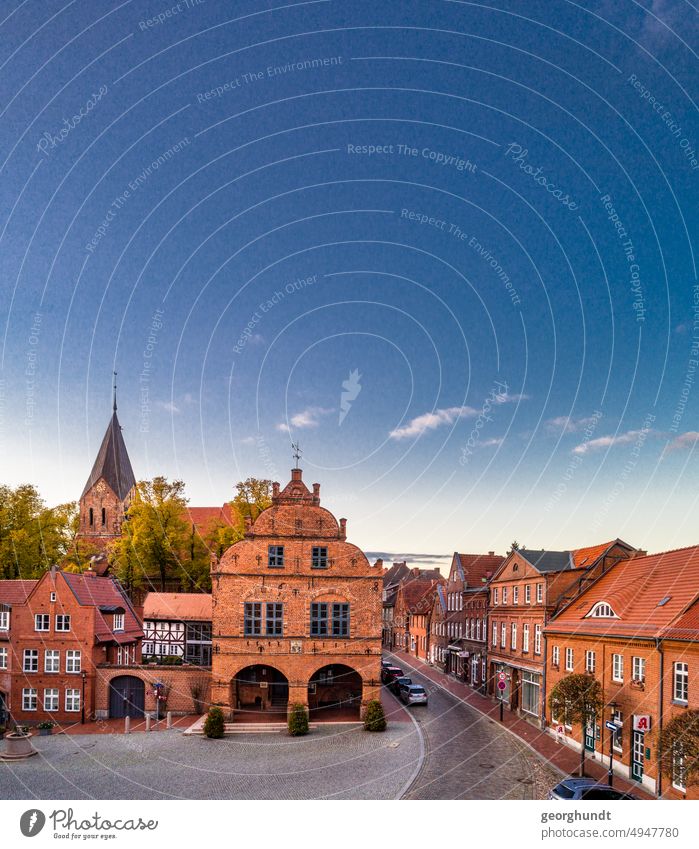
(431, 421)
(609, 441)
(683, 441)
(310, 417)
(168, 406)
(568, 424)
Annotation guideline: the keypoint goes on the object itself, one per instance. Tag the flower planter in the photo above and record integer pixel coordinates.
(45, 732)
(18, 746)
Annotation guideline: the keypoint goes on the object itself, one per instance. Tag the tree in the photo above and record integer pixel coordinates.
(32, 536)
(155, 538)
(298, 721)
(80, 550)
(214, 724)
(375, 718)
(579, 699)
(678, 748)
(252, 497)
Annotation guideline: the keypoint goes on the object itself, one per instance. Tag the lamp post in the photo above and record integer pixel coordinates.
(610, 772)
(83, 675)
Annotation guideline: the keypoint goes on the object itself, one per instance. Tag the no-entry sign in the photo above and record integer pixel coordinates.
(502, 685)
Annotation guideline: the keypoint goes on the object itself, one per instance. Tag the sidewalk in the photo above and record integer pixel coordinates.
(558, 755)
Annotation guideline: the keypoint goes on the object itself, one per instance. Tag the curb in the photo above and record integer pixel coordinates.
(421, 755)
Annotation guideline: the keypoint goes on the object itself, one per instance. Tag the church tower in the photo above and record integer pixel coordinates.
(109, 488)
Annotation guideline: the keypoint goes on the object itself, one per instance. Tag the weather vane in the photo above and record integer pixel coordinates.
(296, 453)
(114, 406)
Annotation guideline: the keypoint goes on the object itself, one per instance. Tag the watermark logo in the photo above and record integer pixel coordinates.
(31, 822)
(351, 389)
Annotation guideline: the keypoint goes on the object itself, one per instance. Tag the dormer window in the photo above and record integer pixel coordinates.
(118, 621)
(602, 610)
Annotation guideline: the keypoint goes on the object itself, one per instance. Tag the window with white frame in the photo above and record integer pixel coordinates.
(617, 667)
(461, 601)
(52, 660)
(601, 610)
(569, 660)
(555, 656)
(73, 660)
(495, 633)
(528, 594)
(4, 620)
(51, 699)
(513, 636)
(72, 700)
(30, 660)
(680, 686)
(515, 595)
(618, 735)
(495, 595)
(504, 595)
(478, 629)
(539, 593)
(590, 662)
(537, 639)
(63, 622)
(639, 669)
(503, 635)
(679, 768)
(118, 622)
(29, 698)
(42, 622)
(525, 637)
(3, 658)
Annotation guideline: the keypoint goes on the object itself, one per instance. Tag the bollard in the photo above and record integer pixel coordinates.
(147, 722)
(169, 719)
(127, 725)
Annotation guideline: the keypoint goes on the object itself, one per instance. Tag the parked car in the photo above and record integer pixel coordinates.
(397, 683)
(391, 672)
(413, 694)
(385, 663)
(587, 788)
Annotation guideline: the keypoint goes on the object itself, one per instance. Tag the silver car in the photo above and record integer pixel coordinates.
(413, 694)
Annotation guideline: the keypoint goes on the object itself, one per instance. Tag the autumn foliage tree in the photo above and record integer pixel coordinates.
(579, 698)
(678, 748)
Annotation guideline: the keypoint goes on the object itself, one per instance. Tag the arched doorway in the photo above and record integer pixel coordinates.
(126, 697)
(335, 692)
(260, 692)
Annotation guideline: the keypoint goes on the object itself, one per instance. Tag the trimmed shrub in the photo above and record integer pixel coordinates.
(375, 718)
(214, 723)
(298, 721)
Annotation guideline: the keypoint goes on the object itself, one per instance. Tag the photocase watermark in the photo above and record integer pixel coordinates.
(171, 12)
(518, 155)
(266, 457)
(268, 73)
(30, 383)
(576, 460)
(350, 391)
(674, 128)
(268, 304)
(65, 819)
(31, 822)
(692, 364)
(635, 283)
(134, 185)
(498, 395)
(437, 157)
(144, 378)
(500, 273)
(49, 141)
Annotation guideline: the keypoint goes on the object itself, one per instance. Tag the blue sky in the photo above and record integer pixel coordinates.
(449, 247)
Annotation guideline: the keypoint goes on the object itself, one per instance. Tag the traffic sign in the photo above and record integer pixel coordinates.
(612, 726)
(502, 685)
(502, 676)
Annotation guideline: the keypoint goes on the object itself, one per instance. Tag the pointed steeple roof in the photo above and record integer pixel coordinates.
(113, 462)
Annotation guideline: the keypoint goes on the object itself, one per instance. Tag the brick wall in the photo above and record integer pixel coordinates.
(178, 681)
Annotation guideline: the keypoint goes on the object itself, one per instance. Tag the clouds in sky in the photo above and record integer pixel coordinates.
(568, 424)
(308, 418)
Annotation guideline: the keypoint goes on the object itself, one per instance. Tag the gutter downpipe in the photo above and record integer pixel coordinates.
(543, 676)
(659, 648)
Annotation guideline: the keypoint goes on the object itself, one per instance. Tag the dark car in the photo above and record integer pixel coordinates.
(413, 694)
(574, 789)
(391, 672)
(397, 683)
(385, 663)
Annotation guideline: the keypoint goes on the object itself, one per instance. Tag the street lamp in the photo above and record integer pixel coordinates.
(83, 674)
(611, 726)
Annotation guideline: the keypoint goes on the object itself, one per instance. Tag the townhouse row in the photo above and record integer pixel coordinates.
(513, 627)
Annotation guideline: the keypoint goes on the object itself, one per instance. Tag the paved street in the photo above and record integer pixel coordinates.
(469, 756)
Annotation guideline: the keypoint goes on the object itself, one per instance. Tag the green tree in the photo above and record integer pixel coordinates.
(252, 497)
(579, 699)
(298, 721)
(155, 539)
(678, 748)
(214, 724)
(375, 718)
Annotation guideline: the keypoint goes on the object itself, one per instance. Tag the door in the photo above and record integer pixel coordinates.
(637, 754)
(590, 736)
(126, 697)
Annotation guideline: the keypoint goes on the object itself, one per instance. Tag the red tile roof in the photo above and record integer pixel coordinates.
(15, 592)
(648, 594)
(416, 591)
(685, 627)
(584, 557)
(202, 517)
(479, 566)
(93, 591)
(178, 606)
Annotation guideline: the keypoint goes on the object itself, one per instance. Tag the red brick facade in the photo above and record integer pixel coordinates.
(296, 612)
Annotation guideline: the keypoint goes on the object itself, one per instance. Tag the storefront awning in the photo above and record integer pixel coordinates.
(454, 648)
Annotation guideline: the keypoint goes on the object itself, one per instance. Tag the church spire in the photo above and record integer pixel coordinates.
(114, 406)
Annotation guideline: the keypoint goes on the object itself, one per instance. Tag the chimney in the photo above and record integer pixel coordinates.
(316, 492)
(491, 553)
(379, 563)
(296, 475)
(275, 489)
(248, 525)
(343, 530)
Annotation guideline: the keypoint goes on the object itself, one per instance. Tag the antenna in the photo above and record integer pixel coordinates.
(296, 453)
(114, 404)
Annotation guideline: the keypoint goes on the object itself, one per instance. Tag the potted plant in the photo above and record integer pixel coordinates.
(298, 721)
(375, 718)
(45, 728)
(214, 726)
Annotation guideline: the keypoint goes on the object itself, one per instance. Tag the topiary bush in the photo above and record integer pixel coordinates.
(298, 721)
(214, 723)
(375, 718)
